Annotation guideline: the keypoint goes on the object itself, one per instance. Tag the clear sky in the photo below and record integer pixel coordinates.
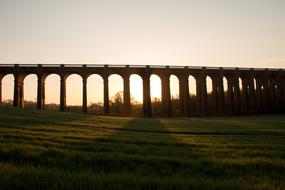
(239, 33)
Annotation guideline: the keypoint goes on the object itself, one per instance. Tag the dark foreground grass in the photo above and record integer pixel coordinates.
(46, 150)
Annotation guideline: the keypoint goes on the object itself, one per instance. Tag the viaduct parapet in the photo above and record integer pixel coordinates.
(262, 91)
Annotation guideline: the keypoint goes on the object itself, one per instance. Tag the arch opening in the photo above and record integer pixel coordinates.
(7, 90)
(227, 94)
(210, 95)
(116, 94)
(155, 94)
(30, 91)
(52, 92)
(209, 83)
(174, 94)
(242, 96)
(240, 84)
(74, 89)
(192, 94)
(95, 94)
(136, 91)
(225, 84)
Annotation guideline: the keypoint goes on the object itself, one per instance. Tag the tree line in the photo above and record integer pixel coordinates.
(116, 104)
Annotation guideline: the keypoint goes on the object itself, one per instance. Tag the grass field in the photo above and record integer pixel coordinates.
(50, 150)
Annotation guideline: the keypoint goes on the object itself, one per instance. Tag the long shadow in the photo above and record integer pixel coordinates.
(147, 155)
(141, 131)
(143, 149)
(138, 153)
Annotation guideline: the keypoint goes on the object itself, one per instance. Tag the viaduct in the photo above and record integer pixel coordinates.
(262, 91)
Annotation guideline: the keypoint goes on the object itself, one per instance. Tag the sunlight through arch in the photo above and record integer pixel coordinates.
(8, 89)
(209, 84)
(30, 91)
(192, 94)
(116, 94)
(136, 88)
(226, 94)
(240, 83)
(95, 93)
(116, 85)
(210, 95)
(225, 84)
(155, 93)
(174, 94)
(192, 86)
(174, 87)
(136, 91)
(52, 92)
(74, 91)
(155, 87)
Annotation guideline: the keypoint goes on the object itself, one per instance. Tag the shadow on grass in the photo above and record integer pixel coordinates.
(137, 153)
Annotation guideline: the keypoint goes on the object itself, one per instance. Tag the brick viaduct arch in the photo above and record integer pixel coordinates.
(263, 90)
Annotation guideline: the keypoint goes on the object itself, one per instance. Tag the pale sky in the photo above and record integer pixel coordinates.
(239, 33)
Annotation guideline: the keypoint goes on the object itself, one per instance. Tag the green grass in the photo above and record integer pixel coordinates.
(50, 150)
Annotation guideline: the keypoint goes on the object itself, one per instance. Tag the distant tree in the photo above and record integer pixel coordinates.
(96, 107)
(52, 106)
(155, 100)
(175, 97)
(30, 104)
(134, 101)
(117, 103)
(118, 98)
(77, 109)
(7, 102)
(136, 107)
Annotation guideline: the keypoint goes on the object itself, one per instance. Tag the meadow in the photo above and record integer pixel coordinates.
(52, 150)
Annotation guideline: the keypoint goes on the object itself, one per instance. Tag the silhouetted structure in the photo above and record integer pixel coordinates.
(263, 90)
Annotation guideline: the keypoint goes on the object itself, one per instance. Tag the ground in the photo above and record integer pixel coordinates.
(51, 150)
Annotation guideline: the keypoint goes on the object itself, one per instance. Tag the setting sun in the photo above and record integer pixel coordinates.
(136, 88)
(155, 87)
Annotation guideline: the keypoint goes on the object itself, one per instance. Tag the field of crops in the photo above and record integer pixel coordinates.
(51, 150)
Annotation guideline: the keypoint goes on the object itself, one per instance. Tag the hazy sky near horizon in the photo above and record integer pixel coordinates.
(246, 33)
(239, 33)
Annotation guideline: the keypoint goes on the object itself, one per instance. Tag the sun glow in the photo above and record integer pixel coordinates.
(52, 88)
(155, 86)
(136, 87)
